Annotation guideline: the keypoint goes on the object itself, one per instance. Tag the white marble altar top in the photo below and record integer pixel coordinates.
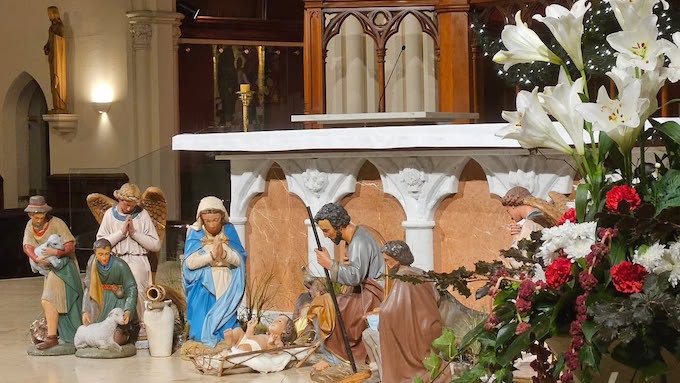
(349, 139)
(420, 137)
(383, 118)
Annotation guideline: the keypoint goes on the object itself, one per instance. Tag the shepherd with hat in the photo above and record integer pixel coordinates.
(62, 294)
(132, 234)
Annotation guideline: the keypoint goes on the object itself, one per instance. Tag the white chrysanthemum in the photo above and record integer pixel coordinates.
(651, 258)
(574, 238)
(674, 251)
(539, 273)
(659, 259)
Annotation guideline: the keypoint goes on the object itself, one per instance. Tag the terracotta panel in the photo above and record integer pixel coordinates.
(277, 241)
(368, 205)
(472, 225)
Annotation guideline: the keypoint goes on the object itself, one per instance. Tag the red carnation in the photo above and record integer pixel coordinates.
(622, 193)
(628, 277)
(569, 215)
(558, 272)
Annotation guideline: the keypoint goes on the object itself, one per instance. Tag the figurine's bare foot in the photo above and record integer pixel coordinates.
(229, 337)
(321, 365)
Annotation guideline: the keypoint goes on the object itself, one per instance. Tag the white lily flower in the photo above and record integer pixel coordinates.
(630, 12)
(639, 47)
(531, 126)
(524, 46)
(567, 27)
(674, 56)
(651, 83)
(618, 118)
(561, 101)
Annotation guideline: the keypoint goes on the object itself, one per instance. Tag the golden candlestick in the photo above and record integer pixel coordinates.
(246, 96)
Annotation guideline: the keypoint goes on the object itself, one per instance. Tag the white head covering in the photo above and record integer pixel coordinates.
(209, 203)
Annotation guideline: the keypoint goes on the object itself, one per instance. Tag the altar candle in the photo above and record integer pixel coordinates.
(245, 88)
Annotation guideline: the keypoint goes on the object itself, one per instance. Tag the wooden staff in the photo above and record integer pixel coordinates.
(345, 338)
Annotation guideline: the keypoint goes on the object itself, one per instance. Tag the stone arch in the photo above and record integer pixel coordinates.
(276, 213)
(369, 205)
(20, 101)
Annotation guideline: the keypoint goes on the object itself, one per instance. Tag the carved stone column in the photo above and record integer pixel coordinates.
(419, 184)
(318, 182)
(154, 38)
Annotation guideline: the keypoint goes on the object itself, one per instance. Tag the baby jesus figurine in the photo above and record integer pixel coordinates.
(281, 333)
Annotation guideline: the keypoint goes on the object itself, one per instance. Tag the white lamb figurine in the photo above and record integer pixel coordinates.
(53, 241)
(100, 335)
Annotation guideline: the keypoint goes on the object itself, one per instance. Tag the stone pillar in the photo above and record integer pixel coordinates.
(154, 42)
(419, 236)
(240, 226)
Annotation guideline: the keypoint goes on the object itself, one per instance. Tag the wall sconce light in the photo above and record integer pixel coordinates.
(188, 9)
(101, 107)
(102, 97)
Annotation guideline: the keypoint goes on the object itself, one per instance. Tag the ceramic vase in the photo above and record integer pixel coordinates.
(159, 321)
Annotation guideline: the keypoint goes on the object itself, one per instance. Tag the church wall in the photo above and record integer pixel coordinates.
(96, 35)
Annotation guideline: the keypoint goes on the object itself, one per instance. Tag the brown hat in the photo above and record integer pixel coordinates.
(37, 204)
(128, 192)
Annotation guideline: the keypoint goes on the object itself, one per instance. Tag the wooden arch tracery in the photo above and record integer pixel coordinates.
(371, 20)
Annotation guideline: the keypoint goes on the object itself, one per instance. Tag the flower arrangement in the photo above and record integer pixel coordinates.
(607, 275)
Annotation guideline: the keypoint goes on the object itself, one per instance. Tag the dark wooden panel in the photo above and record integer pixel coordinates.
(2, 193)
(229, 8)
(225, 28)
(196, 103)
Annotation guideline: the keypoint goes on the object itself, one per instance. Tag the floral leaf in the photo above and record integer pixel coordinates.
(668, 190)
(586, 356)
(446, 343)
(473, 335)
(581, 201)
(418, 379)
(505, 333)
(513, 351)
(432, 364)
(482, 292)
(589, 330)
(670, 128)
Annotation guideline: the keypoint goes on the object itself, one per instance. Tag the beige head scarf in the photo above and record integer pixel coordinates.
(209, 203)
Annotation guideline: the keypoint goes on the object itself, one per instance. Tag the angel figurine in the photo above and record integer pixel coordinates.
(134, 226)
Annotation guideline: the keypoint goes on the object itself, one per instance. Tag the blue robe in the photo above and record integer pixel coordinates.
(209, 317)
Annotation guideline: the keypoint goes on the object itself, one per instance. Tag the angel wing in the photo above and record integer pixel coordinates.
(99, 204)
(153, 201)
(552, 210)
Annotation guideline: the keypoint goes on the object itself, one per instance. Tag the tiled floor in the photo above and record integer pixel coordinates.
(20, 300)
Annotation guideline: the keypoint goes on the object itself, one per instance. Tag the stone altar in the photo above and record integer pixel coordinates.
(418, 165)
